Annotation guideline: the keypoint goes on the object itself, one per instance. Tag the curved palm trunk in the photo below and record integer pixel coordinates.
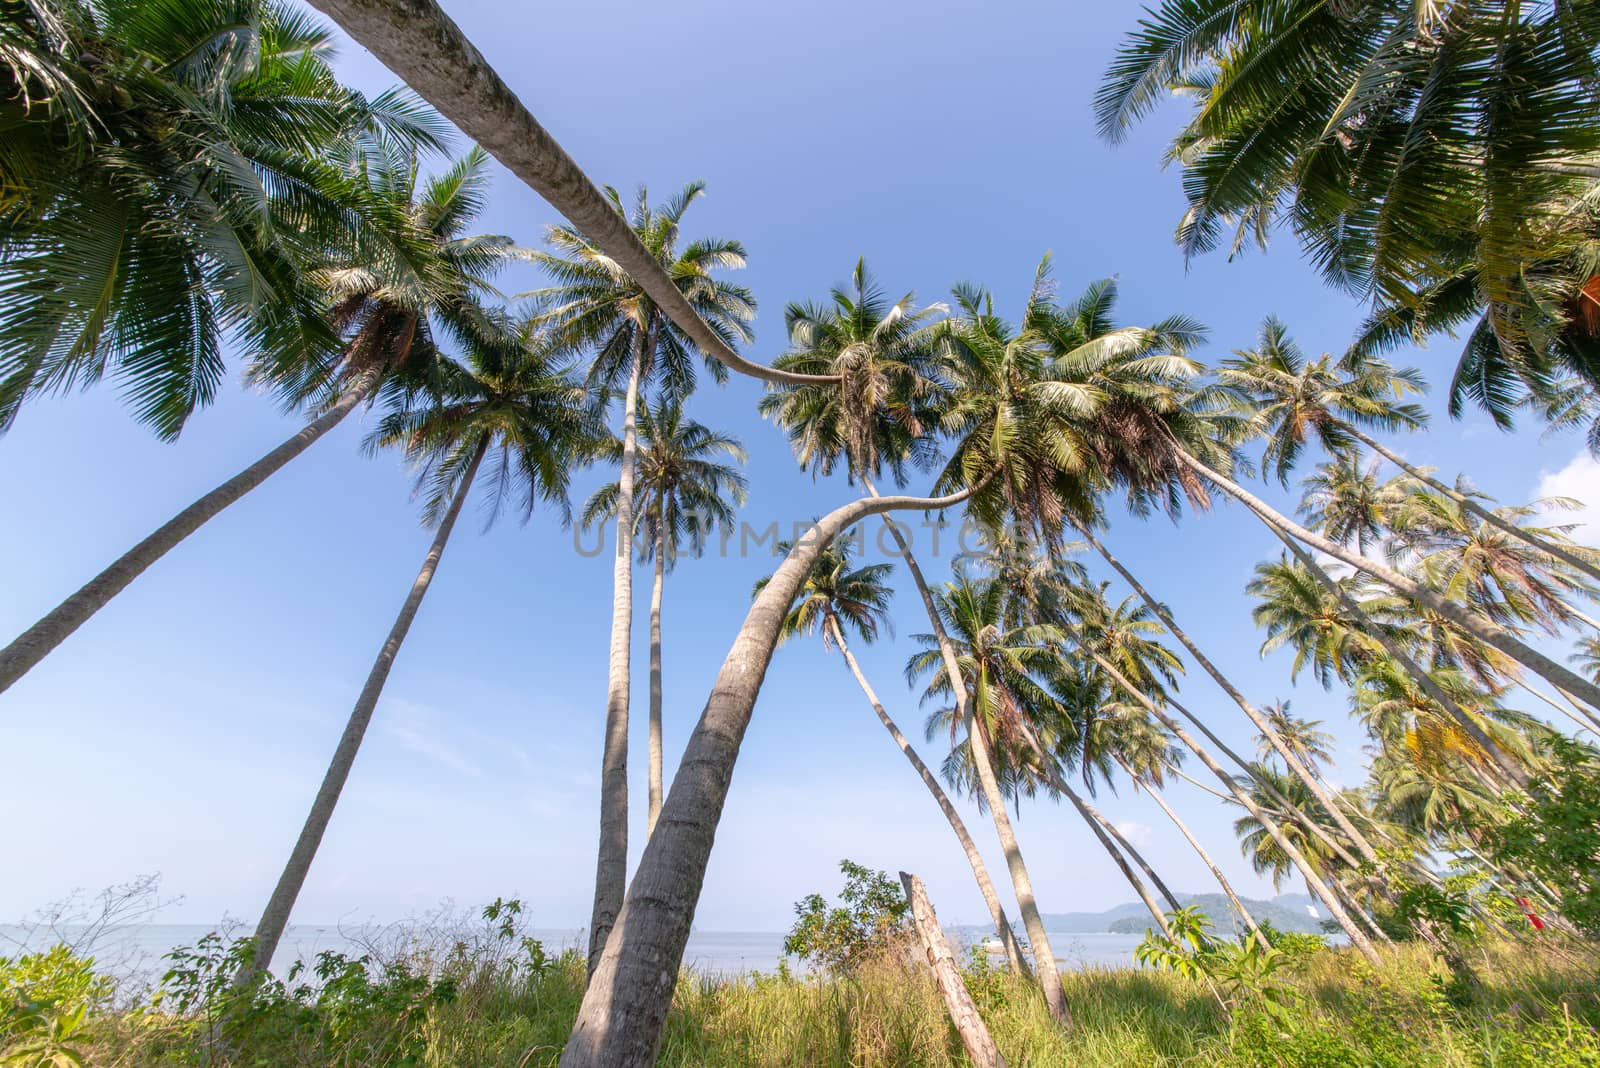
(1560, 552)
(980, 872)
(1043, 958)
(1501, 758)
(276, 915)
(624, 1009)
(1262, 724)
(35, 643)
(1318, 887)
(1216, 873)
(1480, 628)
(611, 862)
(453, 76)
(655, 681)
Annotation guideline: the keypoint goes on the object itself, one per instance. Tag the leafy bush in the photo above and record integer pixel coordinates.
(872, 916)
(44, 999)
(1557, 834)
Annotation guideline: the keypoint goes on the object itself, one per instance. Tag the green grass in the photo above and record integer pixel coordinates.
(1530, 1006)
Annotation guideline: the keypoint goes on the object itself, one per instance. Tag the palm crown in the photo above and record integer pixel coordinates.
(514, 400)
(686, 492)
(170, 171)
(881, 410)
(596, 305)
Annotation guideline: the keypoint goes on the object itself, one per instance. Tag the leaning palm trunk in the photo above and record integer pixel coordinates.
(980, 872)
(35, 643)
(611, 862)
(1104, 832)
(624, 1010)
(453, 76)
(1188, 836)
(1293, 762)
(1136, 855)
(1482, 629)
(655, 680)
(1043, 959)
(276, 915)
(1314, 882)
(1585, 719)
(1466, 722)
(1289, 809)
(1560, 552)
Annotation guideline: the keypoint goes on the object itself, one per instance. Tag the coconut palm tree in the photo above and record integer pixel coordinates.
(1462, 615)
(1343, 498)
(596, 303)
(1278, 832)
(688, 494)
(838, 598)
(1506, 579)
(1422, 156)
(1146, 754)
(880, 411)
(513, 402)
(385, 308)
(1314, 747)
(879, 415)
(171, 174)
(1293, 397)
(624, 1008)
(994, 666)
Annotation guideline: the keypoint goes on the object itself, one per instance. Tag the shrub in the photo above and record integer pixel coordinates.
(872, 916)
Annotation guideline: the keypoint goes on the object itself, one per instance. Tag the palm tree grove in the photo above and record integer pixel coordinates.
(1177, 428)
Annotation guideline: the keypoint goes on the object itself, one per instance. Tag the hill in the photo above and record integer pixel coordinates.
(1287, 912)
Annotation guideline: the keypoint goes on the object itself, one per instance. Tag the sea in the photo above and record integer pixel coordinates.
(135, 954)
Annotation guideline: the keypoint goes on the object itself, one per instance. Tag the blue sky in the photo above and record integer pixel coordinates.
(184, 730)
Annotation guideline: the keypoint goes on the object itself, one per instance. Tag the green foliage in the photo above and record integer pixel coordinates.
(872, 915)
(1556, 833)
(1537, 1007)
(44, 999)
(1243, 972)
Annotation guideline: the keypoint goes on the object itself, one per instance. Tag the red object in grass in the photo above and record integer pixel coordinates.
(1533, 917)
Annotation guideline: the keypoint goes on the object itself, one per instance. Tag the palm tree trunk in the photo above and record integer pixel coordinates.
(1290, 809)
(1136, 855)
(1188, 836)
(1560, 552)
(624, 1009)
(980, 872)
(655, 679)
(1104, 832)
(453, 76)
(1482, 629)
(1043, 959)
(35, 643)
(611, 862)
(1501, 758)
(1291, 761)
(275, 917)
(1319, 888)
(1587, 722)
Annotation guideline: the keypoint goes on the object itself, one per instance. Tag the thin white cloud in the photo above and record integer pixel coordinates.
(1580, 480)
(410, 725)
(1137, 833)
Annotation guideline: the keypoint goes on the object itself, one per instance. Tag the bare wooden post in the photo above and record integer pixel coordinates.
(963, 1012)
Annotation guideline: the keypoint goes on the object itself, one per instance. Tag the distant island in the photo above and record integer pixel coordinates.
(1286, 912)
